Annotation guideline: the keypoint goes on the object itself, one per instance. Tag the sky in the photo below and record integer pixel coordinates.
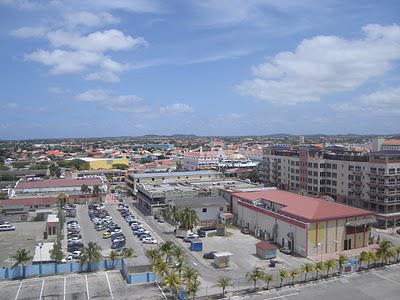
(92, 68)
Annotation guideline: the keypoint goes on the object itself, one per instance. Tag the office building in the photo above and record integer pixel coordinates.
(366, 180)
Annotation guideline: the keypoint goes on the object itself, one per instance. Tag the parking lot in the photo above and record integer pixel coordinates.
(90, 234)
(26, 236)
(101, 285)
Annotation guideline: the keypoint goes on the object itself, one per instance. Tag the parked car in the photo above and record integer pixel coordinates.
(201, 233)
(286, 250)
(143, 236)
(209, 255)
(7, 227)
(76, 254)
(117, 245)
(149, 240)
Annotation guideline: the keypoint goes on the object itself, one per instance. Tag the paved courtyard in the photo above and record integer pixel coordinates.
(374, 284)
(101, 285)
(26, 236)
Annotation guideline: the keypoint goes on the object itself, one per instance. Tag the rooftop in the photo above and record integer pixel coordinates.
(55, 183)
(392, 142)
(198, 202)
(265, 245)
(174, 174)
(305, 208)
(28, 201)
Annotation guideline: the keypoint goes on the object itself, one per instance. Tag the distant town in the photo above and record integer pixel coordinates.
(187, 216)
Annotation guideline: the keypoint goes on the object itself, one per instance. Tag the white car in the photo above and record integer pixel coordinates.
(149, 240)
(76, 254)
(115, 231)
(75, 239)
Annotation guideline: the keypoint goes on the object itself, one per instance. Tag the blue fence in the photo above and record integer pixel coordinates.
(60, 268)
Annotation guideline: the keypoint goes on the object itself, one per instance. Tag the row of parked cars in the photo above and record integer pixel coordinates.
(74, 240)
(70, 210)
(103, 222)
(137, 228)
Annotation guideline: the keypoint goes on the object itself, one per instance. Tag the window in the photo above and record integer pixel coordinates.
(204, 210)
(315, 165)
(221, 209)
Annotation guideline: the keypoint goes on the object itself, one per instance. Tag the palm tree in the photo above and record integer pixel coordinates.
(167, 249)
(188, 218)
(113, 256)
(173, 213)
(189, 275)
(161, 268)
(153, 255)
(267, 278)
(254, 275)
(90, 254)
(85, 189)
(374, 257)
(21, 257)
(293, 274)
(178, 252)
(342, 260)
(194, 287)
(383, 249)
(56, 253)
(330, 264)
(307, 268)
(319, 267)
(172, 282)
(223, 283)
(128, 252)
(364, 257)
(96, 190)
(283, 274)
(391, 253)
(397, 249)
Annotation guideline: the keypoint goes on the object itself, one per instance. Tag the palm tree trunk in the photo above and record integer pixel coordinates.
(305, 277)
(281, 282)
(267, 285)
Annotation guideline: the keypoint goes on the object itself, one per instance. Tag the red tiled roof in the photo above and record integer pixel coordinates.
(29, 201)
(304, 207)
(391, 142)
(52, 183)
(264, 245)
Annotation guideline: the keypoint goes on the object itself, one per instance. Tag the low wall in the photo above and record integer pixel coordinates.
(45, 269)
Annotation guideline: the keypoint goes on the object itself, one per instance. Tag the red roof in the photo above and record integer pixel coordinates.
(303, 207)
(29, 201)
(264, 245)
(391, 142)
(53, 183)
(55, 153)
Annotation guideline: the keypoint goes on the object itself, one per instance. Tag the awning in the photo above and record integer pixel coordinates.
(360, 222)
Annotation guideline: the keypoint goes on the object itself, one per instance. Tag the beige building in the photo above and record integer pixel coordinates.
(370, 181)
(306, 225)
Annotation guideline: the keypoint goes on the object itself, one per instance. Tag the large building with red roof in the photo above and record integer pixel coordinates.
(306, 225)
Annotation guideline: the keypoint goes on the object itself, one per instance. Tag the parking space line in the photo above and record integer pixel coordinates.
(65, 285)
(109, 286)
(16, 296)
(87, 288)
(388, 279)
(41, 290)
(283, 296)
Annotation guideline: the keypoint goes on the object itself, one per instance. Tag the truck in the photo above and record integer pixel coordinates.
(184, 233)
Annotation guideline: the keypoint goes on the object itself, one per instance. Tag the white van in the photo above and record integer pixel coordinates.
(7, 227)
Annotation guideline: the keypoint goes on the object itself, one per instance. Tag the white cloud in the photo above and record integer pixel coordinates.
(22, 4)
(385, 101)
(104, 76)
(324, 65)
(55, 90)
(112, 102)
(89, 19)
(141, 6)
(98, 41)
(30, 32)
(176, 108)
(63, 62)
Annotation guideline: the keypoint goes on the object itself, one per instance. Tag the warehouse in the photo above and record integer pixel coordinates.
(305, 225)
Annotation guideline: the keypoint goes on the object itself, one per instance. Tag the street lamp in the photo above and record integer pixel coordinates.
(318, 245)
(40, 254)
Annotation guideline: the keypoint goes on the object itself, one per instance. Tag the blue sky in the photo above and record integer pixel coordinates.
(82, 68)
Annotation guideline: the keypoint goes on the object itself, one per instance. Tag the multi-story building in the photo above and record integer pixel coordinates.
(366, 180)
(391, 144)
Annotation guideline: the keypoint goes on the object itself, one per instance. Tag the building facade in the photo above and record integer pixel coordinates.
(306, 225)
(370, 181)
